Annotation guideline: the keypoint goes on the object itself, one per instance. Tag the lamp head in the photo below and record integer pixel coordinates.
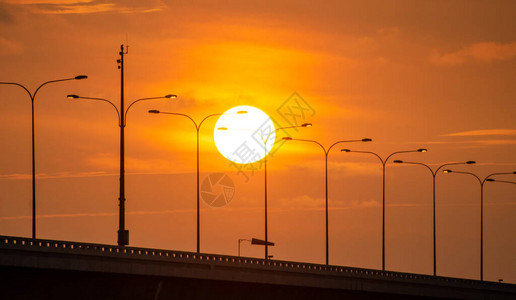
(306, 125)
(72, 96)
(154, 111)
(470, 162)
(170, 96)
(422, 150)
(345, 150)
(447, 171)
(398, 161)
(287, 138)
(79, 77)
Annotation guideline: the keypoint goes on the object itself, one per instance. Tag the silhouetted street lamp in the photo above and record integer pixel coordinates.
(123, 235)
(434, 174)
(197, 128)
(326, 152)
(482, 182)
(32, 97)
(265, 140)
(265, 181)
(384, 162)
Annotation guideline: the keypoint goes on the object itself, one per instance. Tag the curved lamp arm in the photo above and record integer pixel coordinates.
(405, 151)
(145, 99)
(32, 96)
(98, 99)
(467, 173)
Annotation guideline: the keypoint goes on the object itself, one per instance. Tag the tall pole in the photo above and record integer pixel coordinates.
(482, 182)
(32, 98)
(266, 221)
(265, 179)
(383, 214)
(33, 175)
(434, 175)
(433, 220)
(326, 152)
(198, 202)
(197, 128)
(326, 205)
(384, 163)
(123, 234)
(482, 230)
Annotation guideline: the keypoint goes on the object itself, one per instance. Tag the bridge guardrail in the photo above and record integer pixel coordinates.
(28, 244)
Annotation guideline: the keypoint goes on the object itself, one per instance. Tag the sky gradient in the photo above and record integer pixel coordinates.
(408, 74)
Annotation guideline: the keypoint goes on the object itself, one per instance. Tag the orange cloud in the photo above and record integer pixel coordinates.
(88, 6)
(481, 52)
(484, 132)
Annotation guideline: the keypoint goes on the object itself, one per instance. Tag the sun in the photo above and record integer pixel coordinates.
(241, 137)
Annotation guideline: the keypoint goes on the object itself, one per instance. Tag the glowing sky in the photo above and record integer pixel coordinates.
(408, 74)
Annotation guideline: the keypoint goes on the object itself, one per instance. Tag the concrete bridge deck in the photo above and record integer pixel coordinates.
(48, 269)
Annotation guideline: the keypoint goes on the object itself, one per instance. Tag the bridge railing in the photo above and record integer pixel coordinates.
(28, 244)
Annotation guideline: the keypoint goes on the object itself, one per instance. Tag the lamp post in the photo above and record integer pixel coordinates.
(123, 234)
(266, 242)
(434, 174)
(384, 162)
(326, 152)
(197, 128)
(32, 97)
(265, 180)
(482, 182)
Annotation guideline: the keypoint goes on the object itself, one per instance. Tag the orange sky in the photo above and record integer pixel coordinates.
(408, 74)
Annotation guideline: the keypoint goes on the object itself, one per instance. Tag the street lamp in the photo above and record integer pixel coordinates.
(434, 174)
(482, 182)
(123, 234)
(266, 243)
(265, 181)
(384, 162)
(326, 152)
(32, 97)
(197, 128)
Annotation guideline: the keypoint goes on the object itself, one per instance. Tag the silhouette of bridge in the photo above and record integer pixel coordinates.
(48, 269)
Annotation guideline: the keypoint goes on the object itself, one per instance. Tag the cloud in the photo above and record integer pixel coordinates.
(484, 132)
(306, 202)
(5, 16)
(17, 176)
(480, 52)
(89, 6)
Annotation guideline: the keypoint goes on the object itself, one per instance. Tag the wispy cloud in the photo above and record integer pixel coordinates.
(479, 52)
(90, 6)
(19, 176)
(484, 132)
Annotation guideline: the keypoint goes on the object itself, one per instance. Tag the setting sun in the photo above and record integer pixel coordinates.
(241, 139)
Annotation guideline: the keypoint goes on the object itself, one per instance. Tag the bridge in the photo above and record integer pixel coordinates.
(49, 269)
